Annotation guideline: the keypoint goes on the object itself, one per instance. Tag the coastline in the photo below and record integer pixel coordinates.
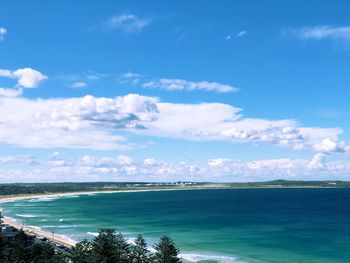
(57, 238)
(7, 199)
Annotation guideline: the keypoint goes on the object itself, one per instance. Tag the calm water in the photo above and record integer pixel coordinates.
(250, 225)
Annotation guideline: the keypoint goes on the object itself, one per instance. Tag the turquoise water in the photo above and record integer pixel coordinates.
(246, 225)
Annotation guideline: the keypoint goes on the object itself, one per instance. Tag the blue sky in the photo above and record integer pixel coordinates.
(182, 90)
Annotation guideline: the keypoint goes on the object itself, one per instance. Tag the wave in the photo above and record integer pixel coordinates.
(43, 199)
(23, 205)
(95, 234)
(35, 227)
(26, 215)
(192, 257)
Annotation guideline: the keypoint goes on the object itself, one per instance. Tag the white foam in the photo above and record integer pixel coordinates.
(43, 199)
(192, 257)
(95, 234)
(26, 215)
(61, 220)
(35, 227)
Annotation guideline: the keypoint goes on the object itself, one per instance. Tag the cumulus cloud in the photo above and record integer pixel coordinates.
(11, 92)
(73, 122)
(3, 32)
(121, 167)
(85, 122)
(321, 32)
(127, 23)
(181, 84)
(27, 78)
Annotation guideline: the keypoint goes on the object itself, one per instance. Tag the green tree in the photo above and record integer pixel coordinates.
(82, 252)
(3, 248)
(43, 252)
(122, 248)
(109, 247)
(166, 251)
(139, 251)
(18, 251)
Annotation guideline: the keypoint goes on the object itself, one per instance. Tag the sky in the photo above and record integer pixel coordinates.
(217, 91)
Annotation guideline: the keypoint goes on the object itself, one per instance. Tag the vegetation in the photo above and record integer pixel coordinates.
(112, 247)
(107, 247)
(43, 188)
(22, 249)
(166, 251)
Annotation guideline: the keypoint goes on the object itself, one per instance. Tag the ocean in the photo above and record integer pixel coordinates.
(236, 225)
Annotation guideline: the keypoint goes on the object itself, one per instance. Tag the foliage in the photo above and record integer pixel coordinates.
(140, 253)
(23, 249)
(166, 251)
(108, 247)
(82, 252)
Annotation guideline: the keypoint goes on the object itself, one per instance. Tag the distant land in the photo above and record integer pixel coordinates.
(67, 187)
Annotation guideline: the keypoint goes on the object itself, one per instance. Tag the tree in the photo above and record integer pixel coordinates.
(18, 251)
(122, 248)
(166, 251)
(43, 252)
(109, 247)
(140, 251)
(3, 248)
(82, 252)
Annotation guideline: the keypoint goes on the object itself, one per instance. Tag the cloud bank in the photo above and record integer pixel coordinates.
(125, 168)
(104, 124)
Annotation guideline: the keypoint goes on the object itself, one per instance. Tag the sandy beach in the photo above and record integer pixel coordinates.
(5, 199)
(39, 232)
(61, 239)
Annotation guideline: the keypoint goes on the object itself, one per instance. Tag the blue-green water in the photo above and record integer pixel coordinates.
(248, 225)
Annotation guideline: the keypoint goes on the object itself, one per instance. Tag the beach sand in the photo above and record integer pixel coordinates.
(39, 232)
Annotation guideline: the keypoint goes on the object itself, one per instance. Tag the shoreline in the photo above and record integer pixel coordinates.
(38, 232)
(12, 198)
(7, 199)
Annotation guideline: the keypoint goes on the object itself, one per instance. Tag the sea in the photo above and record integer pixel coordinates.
(233, 225)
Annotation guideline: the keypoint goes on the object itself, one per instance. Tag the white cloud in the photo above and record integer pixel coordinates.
(181, 84)
(242, 34)
(3, 32)
(29, 78)
(85, 122)
(321, 32)
(90, 168)
(174, 84)
(5, 92)
(17, 159)
(71, 123)
(129, 77)
(79, 85)
(318, 161)
(6, 73)
(128, 23)
(26, 78)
